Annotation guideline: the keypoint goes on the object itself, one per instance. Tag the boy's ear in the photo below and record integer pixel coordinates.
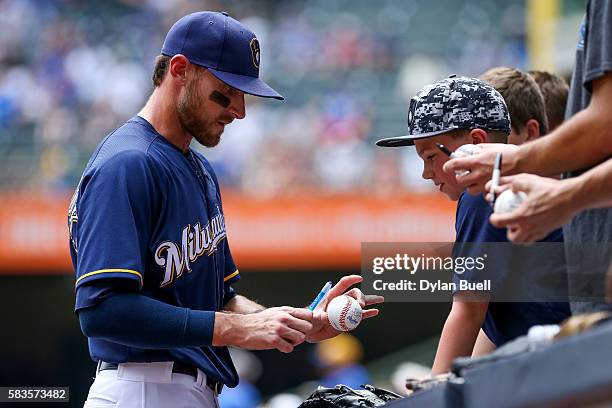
(479, 136)
(533, 129)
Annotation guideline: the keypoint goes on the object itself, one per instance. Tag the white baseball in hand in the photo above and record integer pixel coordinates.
(508, 201)
(464, 151)
(344, 313)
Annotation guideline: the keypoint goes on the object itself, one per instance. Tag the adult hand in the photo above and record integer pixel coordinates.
(321, 328)
(480, 166)
(280, 328)
(549, 204)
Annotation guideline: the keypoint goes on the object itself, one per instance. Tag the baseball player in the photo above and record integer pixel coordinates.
(149, 245)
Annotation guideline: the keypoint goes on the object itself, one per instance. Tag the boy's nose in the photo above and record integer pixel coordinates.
(427, 174)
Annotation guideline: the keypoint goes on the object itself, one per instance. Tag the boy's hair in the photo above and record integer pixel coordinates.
(555, 91)
(495, 136)
(522, 95)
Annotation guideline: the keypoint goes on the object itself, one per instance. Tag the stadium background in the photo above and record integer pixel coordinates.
(303, 184)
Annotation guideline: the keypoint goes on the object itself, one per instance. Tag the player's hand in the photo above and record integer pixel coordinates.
(549, 205)
(280, 328)
(321, 329)
(480, 166)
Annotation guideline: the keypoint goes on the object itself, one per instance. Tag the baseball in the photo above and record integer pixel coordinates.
(508, 201)
(463, 151)
(344, 313)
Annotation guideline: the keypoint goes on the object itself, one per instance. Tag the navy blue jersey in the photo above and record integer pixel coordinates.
(506, 320)
(147, 217)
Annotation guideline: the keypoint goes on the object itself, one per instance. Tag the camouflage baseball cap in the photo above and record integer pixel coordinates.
(453, 103)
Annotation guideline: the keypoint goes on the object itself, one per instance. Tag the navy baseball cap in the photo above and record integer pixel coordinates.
(227, 48)
(453, 103)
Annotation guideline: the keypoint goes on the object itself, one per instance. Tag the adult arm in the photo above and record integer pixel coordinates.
(139, 321)
(582, 141)
(321, 329)
(243, 305)
(552, 203)
(251, 314)
(579, 143)
(595, 186)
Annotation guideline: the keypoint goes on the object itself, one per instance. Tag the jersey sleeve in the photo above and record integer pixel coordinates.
(115, 221)
(598, 57)
(231, 275)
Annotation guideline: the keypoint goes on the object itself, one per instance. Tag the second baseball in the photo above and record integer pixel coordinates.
(344, 313)
(508, 201)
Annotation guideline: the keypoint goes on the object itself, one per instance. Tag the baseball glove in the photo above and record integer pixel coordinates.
(342, 396)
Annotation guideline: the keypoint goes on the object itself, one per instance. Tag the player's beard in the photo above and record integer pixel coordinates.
(194, 118)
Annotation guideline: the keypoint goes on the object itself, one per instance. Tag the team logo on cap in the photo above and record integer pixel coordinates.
(413, 103)
(255, 52)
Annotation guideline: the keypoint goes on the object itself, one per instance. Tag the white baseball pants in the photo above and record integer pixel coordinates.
(149, 385)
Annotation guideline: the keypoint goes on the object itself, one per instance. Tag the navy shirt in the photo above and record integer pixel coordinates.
(505, 320)
(147, 217)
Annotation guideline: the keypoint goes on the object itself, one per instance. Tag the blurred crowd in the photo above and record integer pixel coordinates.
(72, 71)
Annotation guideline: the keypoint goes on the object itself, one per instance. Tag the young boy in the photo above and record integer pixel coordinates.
(524, 100)
(454, 112)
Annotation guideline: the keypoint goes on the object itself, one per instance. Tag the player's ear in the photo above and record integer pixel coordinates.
(178, 67)
(478, 136)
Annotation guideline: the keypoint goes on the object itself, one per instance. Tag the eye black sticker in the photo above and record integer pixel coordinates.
(219, 98)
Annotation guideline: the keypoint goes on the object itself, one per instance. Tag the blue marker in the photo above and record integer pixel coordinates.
(320, 296)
